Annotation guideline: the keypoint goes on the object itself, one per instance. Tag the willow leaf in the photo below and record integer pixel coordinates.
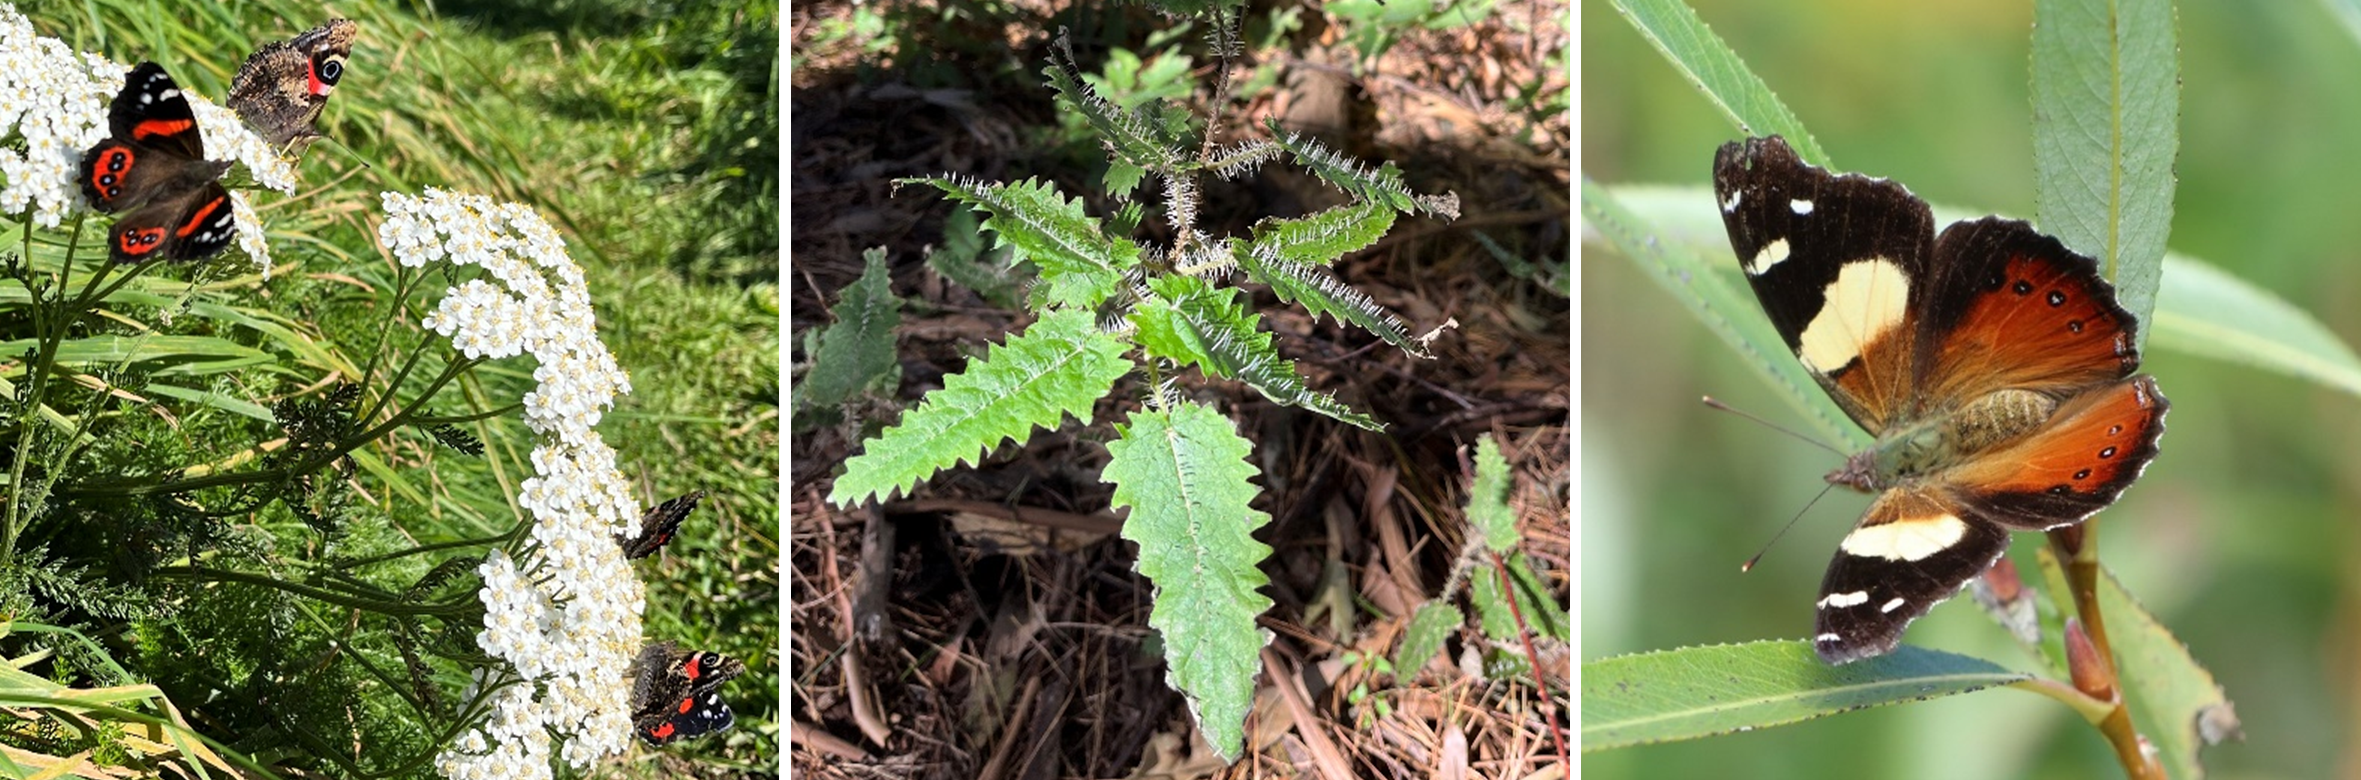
(1080, 265)
(1323, 294)
(1187, 321)
(1059, 366)
(1320, 238)
(1183, 474)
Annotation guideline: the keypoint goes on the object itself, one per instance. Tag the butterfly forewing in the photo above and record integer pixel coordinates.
(1912, 550)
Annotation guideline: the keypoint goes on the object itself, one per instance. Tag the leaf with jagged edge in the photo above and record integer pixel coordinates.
(1059, 366)
(1383, 185)
(859, 349)
(1133, 138)
(1080, 265)
(1184, 475)
(1323, 294)
(1487, 500)
(965, 259)
(1320, 238)
(1244, 158)
(1539, 607)
(1187, 321)
(1423, 637)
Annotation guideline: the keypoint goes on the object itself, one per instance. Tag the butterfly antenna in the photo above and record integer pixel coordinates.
(1799, 515)
(349, 150)
(1717, 404)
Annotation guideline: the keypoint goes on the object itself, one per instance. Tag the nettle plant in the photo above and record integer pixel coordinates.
(1108, 304)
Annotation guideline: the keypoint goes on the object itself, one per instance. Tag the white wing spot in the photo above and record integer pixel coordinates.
(1827, 638)
(1890, 605)
(1842, 600)
(1771, 255)
(1730, 204)
(1800, 206)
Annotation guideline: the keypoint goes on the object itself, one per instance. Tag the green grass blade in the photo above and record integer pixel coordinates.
(1674, 29)
(1696, 692)
(2106, 107)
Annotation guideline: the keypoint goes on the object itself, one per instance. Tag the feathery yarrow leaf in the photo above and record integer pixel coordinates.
(1184, 475)
(1323, 294)
(1080, 265)
(1061, 365)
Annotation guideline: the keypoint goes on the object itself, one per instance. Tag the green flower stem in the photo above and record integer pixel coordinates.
(205, 574)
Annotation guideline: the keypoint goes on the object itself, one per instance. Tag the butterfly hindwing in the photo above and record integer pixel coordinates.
(2013, 308)
(676, 693)
(2094, 447)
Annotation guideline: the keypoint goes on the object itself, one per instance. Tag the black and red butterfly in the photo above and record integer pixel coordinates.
(676, 693)
(657, 526)
(153, 166)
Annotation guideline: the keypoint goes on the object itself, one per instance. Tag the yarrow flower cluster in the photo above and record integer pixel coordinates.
(56, 101)
(565, 616)
(533, 301)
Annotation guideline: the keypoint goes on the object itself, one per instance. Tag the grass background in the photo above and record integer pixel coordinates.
(2240, 537)
(646, 131)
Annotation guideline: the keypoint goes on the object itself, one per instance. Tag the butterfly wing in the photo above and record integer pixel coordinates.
(1838, 263)
(194, 226)
(657, 526)
(695, 716)
(676, 695)
(2016, 309)
(283, 86)
(151, 112)
(1914, 549)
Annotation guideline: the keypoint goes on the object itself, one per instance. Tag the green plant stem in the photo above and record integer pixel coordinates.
(204, 574)
(2077, 548)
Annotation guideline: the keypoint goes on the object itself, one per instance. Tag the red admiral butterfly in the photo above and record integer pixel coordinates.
(1991, 362)
(284, 85)
(674, 695)
(153, 164)
(657, 525)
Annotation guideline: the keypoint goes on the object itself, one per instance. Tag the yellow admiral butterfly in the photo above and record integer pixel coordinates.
(1991, 362)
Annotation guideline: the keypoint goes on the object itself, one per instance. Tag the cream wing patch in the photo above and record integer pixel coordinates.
(1866, 299)
(1907, 539)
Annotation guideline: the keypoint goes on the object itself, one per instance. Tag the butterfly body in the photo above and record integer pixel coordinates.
(152, 169)
(1992, 364)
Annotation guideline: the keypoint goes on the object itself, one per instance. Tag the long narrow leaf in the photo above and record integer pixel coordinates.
(1674, 29)
(2106, 113)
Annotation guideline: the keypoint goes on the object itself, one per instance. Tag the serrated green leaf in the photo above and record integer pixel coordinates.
(1423, 638)
(1127, 136)
(2174, 701)
(859, 349)
(1320, 293)
(965, 259)
(1320, 238)
(1694, 692)
(1543, 615)
(1080, 266)
(1487, 500)
(1185, 478)
(1060, 366)
(1382, 185)
(1123, 178)
(1674, 29)
(1190, 322)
